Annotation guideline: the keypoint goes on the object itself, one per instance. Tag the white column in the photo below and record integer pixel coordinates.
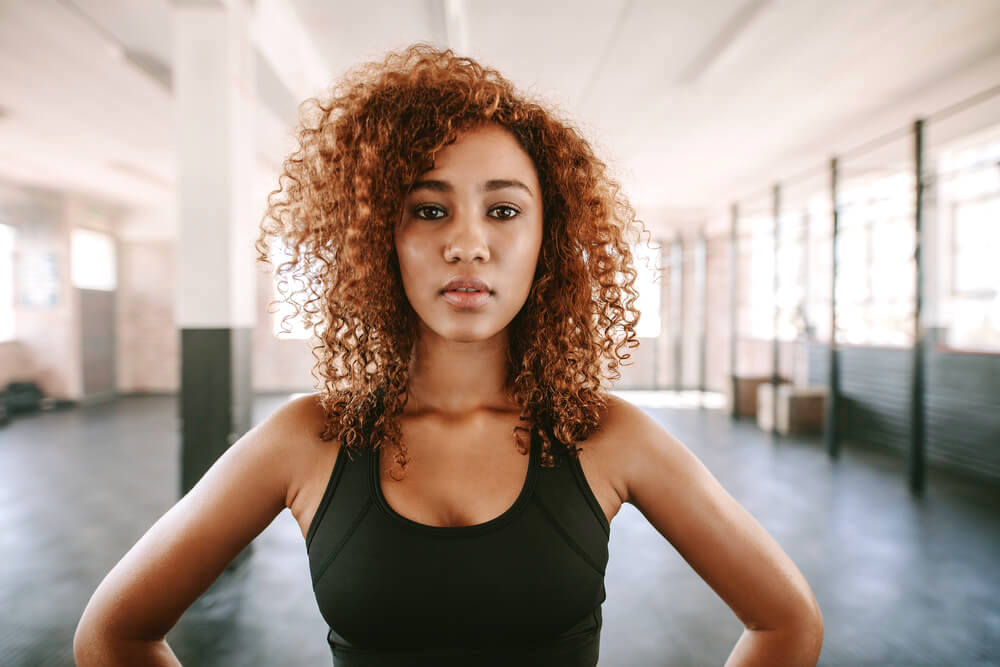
(214, 105)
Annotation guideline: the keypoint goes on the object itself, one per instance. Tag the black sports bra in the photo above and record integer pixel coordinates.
(524, 588)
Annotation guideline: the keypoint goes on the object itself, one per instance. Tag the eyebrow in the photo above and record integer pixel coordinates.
(489, 186)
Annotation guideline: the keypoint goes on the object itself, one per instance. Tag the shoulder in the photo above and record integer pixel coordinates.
(630, 441)
(628, 424)
(291, 434)
(294, 424)
(623, 417)
(301, 412)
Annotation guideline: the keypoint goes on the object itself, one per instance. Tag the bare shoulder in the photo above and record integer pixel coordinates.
(298, 424)
(298, 417)
(610, 453)
(294, 432)
(293, 416)
(623, 417)
(629, 440)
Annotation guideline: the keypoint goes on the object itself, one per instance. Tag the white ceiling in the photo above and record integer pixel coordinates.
(693, 103)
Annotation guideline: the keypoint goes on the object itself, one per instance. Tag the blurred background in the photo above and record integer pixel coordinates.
(820, 294)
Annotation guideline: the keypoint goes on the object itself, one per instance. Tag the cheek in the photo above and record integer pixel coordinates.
(529, 249)
(412, 256)
(405, 252)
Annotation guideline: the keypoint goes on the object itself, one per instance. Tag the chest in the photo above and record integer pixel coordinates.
(533, 567)
(453, 477)
(458, 476)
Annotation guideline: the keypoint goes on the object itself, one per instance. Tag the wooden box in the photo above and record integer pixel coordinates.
(800, 409)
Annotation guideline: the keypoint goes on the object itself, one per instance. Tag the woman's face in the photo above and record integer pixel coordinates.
(476, 215)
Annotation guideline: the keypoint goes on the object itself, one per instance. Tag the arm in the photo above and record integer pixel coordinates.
(179, 557)
(723, 542)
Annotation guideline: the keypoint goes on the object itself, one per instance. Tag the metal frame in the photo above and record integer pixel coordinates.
(775, 347)
(734, 257)
(701, 286)
(831, 431)
(916, 462)
(677, 309)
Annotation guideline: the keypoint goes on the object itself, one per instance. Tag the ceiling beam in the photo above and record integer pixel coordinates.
(610, 45)
(450, 22)
(722, 41)
(286, 45)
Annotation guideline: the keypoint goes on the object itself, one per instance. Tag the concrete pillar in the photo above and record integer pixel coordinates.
(214, 104)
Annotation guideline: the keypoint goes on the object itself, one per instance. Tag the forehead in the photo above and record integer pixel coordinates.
(490, 150)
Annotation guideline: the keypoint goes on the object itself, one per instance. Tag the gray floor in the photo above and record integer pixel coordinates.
(901, 581)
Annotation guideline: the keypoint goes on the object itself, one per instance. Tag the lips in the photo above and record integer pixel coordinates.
(458, 292)
(466, 283)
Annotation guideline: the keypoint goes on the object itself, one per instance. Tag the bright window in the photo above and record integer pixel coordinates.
(649, 266)
(791, 289)
(970, 194)
(762, 278)
(820, 261)
(6, 283)
(294, 328)
(93, 260)
(791, 276)
(876, 272)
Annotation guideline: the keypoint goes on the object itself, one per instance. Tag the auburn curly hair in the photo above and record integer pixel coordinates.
(340, 194)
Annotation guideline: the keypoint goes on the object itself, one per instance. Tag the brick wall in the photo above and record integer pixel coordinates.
(46, 348)
(148, 352)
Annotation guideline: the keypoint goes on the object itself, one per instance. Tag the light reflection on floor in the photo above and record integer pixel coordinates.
(673, 399)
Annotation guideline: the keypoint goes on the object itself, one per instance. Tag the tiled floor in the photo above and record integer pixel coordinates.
(901, 581)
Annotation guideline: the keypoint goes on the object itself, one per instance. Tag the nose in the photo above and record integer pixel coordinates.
(466, 241)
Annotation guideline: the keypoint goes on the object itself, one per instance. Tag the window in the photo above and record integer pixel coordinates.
(970, 207)
(649, 265)
(93, 260)
(7, 329)
(876, 272)
(791, 275)
(789, 300)
(761, 277)
(818, 280)
(295, 328)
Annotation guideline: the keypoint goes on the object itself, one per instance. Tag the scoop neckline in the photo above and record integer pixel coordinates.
(375, 484)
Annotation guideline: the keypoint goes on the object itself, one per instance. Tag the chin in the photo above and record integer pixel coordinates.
(469, 334)
(464, 332)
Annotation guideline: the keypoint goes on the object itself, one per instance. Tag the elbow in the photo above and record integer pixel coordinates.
(810, 633)
(85, 644)
(818, 633)
(91, 640)
(801, 634)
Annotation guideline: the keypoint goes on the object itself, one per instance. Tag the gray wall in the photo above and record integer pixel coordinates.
(98, 345)
(962, 403)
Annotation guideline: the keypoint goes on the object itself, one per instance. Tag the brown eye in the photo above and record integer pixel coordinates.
(419, 212)
(508, 212)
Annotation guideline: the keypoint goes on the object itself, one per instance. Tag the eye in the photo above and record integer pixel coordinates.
(419, 212)
(508, 211)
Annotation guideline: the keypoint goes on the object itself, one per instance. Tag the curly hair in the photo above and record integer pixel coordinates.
(339, 196)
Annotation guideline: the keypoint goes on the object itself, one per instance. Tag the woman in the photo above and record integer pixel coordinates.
(462, 255)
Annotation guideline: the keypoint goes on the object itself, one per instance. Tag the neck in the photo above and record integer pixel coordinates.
(456, 379)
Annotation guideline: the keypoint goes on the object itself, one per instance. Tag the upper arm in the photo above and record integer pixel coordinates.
(190, 546)
(720, 539)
